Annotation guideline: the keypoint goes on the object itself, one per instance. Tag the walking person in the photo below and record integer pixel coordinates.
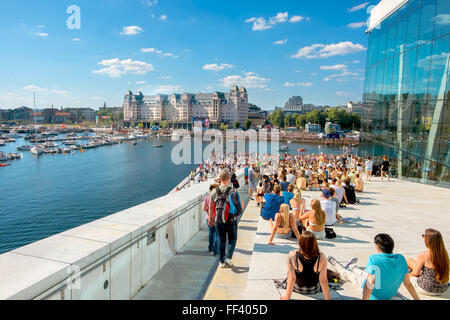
(219, 216)
(369, 168)
(212, 245)
(385, 168)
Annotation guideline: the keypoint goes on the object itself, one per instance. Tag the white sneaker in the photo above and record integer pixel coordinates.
(223, 265)
(229, 263)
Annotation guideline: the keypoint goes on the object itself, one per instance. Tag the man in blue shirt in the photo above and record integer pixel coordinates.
(384, 273)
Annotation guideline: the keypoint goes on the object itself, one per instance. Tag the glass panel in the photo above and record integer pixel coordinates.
(379, 79)
(413, 29)
(387, 78)
(427, 16)
(422, 71)
(408, 73)
(395, 77)
(439, 59)
(390, 45)
(400, 36)
(442, 18)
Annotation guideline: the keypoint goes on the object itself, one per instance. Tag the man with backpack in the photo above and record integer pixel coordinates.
(224, 210)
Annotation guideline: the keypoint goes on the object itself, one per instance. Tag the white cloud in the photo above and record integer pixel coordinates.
(261, 24)
(216, 67)
(141, 82)
(298, 84)
(98, 98)
(163, 17)
(329, 50)
(41, 26)
(165, 77)
(279, 18)
(358, 7)
(280, 42)
(356, 25)
(115, 68)
(335, 67)
(131, 30)
(11, 94)
(356, 61)
(343, 76)
(313, 74)
(42, 34)
(168, 89)
(153, 50)
(443, 19)
(46, 90)
(295, 19)
(249, 73)
(248, 81)
(343, 94)
(150, 2)
(76, 39)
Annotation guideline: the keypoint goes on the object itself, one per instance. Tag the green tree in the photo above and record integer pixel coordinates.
(223, 127)
(141, 125)
(287, 121)
(277, 118)
(248, 124)
(237, 125)
(164, 124)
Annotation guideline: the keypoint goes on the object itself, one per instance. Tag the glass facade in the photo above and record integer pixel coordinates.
(406, 102)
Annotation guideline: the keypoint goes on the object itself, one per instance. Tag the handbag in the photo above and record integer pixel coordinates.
(329, 233)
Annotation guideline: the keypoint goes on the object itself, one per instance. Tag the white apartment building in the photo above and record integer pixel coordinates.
(180, 110)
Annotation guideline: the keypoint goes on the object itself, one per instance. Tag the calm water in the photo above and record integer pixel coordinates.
(46, 195)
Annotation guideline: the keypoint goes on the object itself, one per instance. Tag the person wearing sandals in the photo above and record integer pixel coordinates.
(284, 225)
(307, 270)
(430, 272)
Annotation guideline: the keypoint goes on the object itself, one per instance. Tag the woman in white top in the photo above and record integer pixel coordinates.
(369, 165)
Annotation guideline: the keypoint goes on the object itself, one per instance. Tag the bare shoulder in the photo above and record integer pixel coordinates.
(425, 255)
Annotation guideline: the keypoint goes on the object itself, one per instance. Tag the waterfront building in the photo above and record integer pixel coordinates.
(332, 128)
(37, 117)
(294, 105)
(406, 102)
(355, 107)
(21, 114)
(88, 114)
(313, 128)
(180, 110)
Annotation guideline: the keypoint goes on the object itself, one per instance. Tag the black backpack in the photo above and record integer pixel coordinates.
(235, 181)
(329, 233)
(222, 205)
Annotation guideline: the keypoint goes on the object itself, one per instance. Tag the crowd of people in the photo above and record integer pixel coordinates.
(276, 187)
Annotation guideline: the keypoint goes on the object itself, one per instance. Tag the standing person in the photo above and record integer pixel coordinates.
(253, 181)
(384, 272)
(219, 208)
(307, 269)
(246, 174)
(430, 272)
(369, 168)
(385, 168)
(212, 246)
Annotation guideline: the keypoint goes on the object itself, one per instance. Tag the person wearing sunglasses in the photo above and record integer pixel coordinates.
(430, 272)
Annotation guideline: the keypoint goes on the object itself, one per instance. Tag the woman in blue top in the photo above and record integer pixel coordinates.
(273, 203)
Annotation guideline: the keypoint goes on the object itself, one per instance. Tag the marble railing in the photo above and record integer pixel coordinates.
(110, 258)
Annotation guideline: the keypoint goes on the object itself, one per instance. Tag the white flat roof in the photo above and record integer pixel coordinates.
(383, 10)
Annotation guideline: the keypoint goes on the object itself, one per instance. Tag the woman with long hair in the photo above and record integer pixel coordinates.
(307, 269)
(314, 220)
(298, 204)
(430, 273)
(284, 224)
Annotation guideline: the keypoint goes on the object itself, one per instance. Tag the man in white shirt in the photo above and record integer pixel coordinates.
(290, 177)
(329, 206)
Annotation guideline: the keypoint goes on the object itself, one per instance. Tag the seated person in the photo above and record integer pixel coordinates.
(349, 195)
(314, 182)
(430, 272)
(307, 270)
(329, 206)
(383, 275)
(288, 195)
(359, 183)
(273, 203)
(336, 201)
(302, 182)
(284, 225)
(267, 184)
(259, 194)
(284, 184)
(314, 220)
(297, 204)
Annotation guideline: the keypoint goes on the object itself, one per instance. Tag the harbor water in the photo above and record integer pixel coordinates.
(45, 195)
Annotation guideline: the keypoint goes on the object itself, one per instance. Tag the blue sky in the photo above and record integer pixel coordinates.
(276, 49)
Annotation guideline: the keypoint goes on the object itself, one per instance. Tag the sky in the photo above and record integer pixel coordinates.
(276, 49)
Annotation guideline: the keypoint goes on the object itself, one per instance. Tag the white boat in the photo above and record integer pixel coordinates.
(67, 150)
(23, 148)
(37, 151)
(2, 143)
(17, 156)
(289, 142)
